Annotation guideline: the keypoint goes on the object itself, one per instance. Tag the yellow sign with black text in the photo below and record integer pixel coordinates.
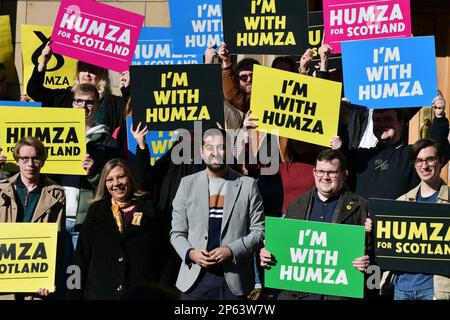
(295, 106)
(60, 71)
(6, 51)
(61, 130)
(27, 256)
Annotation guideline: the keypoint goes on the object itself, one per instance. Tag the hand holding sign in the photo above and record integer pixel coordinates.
(210, 54)
(43, 292)
(361, 263)
(336, 143)
(248, 121)
(368, 225)
(46, 54)
(124, 79)
(265, 257)
(88, 164)
(324, 52)
(224, 55)
(305, 60)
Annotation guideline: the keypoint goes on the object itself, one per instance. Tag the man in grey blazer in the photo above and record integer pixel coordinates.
(217, 225)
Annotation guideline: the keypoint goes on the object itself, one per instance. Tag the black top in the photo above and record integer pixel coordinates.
(439, 130)
(383, 171)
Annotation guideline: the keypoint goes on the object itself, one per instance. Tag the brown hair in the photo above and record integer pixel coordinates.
(425, 143)
(30, 141)
(330, 154)
(88, 88)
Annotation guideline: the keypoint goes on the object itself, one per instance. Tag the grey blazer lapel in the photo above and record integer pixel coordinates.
(201, 196)
(231, 194)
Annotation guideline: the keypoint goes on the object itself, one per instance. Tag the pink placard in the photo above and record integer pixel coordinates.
(96, 33)
(346, 20)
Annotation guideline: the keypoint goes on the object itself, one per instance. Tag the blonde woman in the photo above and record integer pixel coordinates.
(123, 239)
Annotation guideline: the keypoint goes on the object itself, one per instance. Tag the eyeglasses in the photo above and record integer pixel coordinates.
(245, 77)
(439, 108)
(83, 102)
(331, 173)
(25, 160)
(431, 161)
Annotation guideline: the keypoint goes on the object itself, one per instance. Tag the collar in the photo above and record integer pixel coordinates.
(20, 184)
(397, 145)
(335, 197)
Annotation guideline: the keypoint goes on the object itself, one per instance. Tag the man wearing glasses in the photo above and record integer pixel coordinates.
(428, 159)
(236, 80)
(329, 201)
(29, 196)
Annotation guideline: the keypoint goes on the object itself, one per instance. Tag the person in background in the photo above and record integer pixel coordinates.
(111, 107)
(236, 79)
(440, 128)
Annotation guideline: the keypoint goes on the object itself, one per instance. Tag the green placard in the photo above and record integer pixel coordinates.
(315, 257)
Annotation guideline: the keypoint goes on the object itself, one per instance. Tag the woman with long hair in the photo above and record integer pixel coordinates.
(123, 240)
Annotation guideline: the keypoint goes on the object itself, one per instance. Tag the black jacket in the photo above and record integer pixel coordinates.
(114, 105)
(111, 262)
(163, 178)
(351, 208)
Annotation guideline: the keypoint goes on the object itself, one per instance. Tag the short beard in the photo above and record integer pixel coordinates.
(216, 167)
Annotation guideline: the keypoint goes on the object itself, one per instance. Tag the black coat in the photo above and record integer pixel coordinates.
(110, 262)
(351, 209)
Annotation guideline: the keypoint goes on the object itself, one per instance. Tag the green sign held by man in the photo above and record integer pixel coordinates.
(315, 257)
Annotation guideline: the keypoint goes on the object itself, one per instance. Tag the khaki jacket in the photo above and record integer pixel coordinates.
(441, 283)
(50, 208)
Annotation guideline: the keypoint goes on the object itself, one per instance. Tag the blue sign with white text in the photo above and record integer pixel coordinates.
(159, 142)
(196, 24)
(155, 46)
(390, 73)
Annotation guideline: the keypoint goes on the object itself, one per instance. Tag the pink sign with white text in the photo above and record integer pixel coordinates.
(346, 20)
(96, 33)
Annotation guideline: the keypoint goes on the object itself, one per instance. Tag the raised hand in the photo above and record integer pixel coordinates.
(139, 135)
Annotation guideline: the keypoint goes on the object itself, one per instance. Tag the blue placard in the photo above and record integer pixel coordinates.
(196, 24)
(155, 46)
(390, 73)
(5, 103)
(159, 142)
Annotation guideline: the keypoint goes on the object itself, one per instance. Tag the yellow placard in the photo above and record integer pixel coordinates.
(27, 256)
(6, 51)
(60, 71)
(295, 106)
(61, 130)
